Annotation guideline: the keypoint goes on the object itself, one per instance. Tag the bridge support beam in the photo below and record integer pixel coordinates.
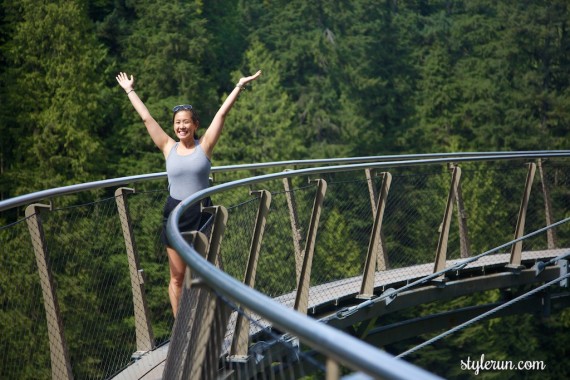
(302, 296)
(218, 229)
(295, 229)
(382, 256)
(464, 243)
(333, 370)
(472, 281)
(59, 354)
(143, 327)
(376, 255)
(402, 330)
(441, 252)
(241, 333)
(551, 233)
(516, 249)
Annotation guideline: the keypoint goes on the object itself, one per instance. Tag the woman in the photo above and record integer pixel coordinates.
(187, 163)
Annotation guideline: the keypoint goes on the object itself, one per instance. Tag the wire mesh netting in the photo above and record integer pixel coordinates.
(200, 347)
(89, 272)
(89, 269)
(22, 318)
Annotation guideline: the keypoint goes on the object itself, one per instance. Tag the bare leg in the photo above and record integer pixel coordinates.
(177, 269)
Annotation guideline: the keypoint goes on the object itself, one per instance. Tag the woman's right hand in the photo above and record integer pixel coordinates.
(125, 82)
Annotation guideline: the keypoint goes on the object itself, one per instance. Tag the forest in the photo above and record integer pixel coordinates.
(340, 79)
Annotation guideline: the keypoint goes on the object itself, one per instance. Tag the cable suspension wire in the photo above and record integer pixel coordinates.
(482, 316)
(392, 293)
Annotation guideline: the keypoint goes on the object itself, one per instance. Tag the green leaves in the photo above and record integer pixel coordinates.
(488, 77)
(260, 126)
(340, 79)
(54, 95)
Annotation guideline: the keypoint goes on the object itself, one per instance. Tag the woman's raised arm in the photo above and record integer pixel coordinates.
(214, 131)
(160, 138)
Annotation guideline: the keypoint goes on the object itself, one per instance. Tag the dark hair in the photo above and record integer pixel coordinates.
(193, 113)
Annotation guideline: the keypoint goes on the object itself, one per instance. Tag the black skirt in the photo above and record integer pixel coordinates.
(191, 220)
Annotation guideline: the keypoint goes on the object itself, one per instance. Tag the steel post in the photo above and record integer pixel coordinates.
(302, 296)
(374, 250)
(441, 252)
(295, 229)
(143, 327)
(516, 249)
(241, 332)
(382, 256)
(464, 243)
(59, 354)
(548, 212)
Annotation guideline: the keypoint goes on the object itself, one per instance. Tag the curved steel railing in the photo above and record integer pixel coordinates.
(72, 189)
(334, 344)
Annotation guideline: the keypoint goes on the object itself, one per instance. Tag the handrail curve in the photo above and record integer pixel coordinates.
(339, 346)
(71, 189)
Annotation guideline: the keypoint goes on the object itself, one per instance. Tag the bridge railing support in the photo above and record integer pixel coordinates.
(295, 229)
(441, 252)
(241, 333)
(302, 296)
(59, 354)
(375, 255)
(464, 243)
(143, 327)
(548, 212)
(333, 370)
(516, 249)
(382, 256)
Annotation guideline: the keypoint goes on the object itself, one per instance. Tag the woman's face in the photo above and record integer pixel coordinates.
(184, 127)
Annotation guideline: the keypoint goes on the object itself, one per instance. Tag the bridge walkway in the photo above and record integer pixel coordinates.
(327, 299)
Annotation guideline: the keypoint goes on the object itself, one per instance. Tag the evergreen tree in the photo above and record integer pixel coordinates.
(334, 261)
(300, 36)
(537, 33)
(228, 41)
(259, 127)
(489, 76)
(166, 50)
(54, 93)
(340, 79)
(435, 95)
(375, 76)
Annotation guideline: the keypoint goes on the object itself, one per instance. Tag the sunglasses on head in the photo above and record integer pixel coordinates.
(181, 107)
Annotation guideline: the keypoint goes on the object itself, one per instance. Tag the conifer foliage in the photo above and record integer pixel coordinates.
(340, 79)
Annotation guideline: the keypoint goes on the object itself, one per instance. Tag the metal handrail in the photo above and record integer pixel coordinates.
(345, 168)
(71, 189)
(337, 345)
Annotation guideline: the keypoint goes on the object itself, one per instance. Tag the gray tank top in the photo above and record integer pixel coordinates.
(187, 174)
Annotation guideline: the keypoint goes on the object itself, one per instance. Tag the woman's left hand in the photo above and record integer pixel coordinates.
(245, 80)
